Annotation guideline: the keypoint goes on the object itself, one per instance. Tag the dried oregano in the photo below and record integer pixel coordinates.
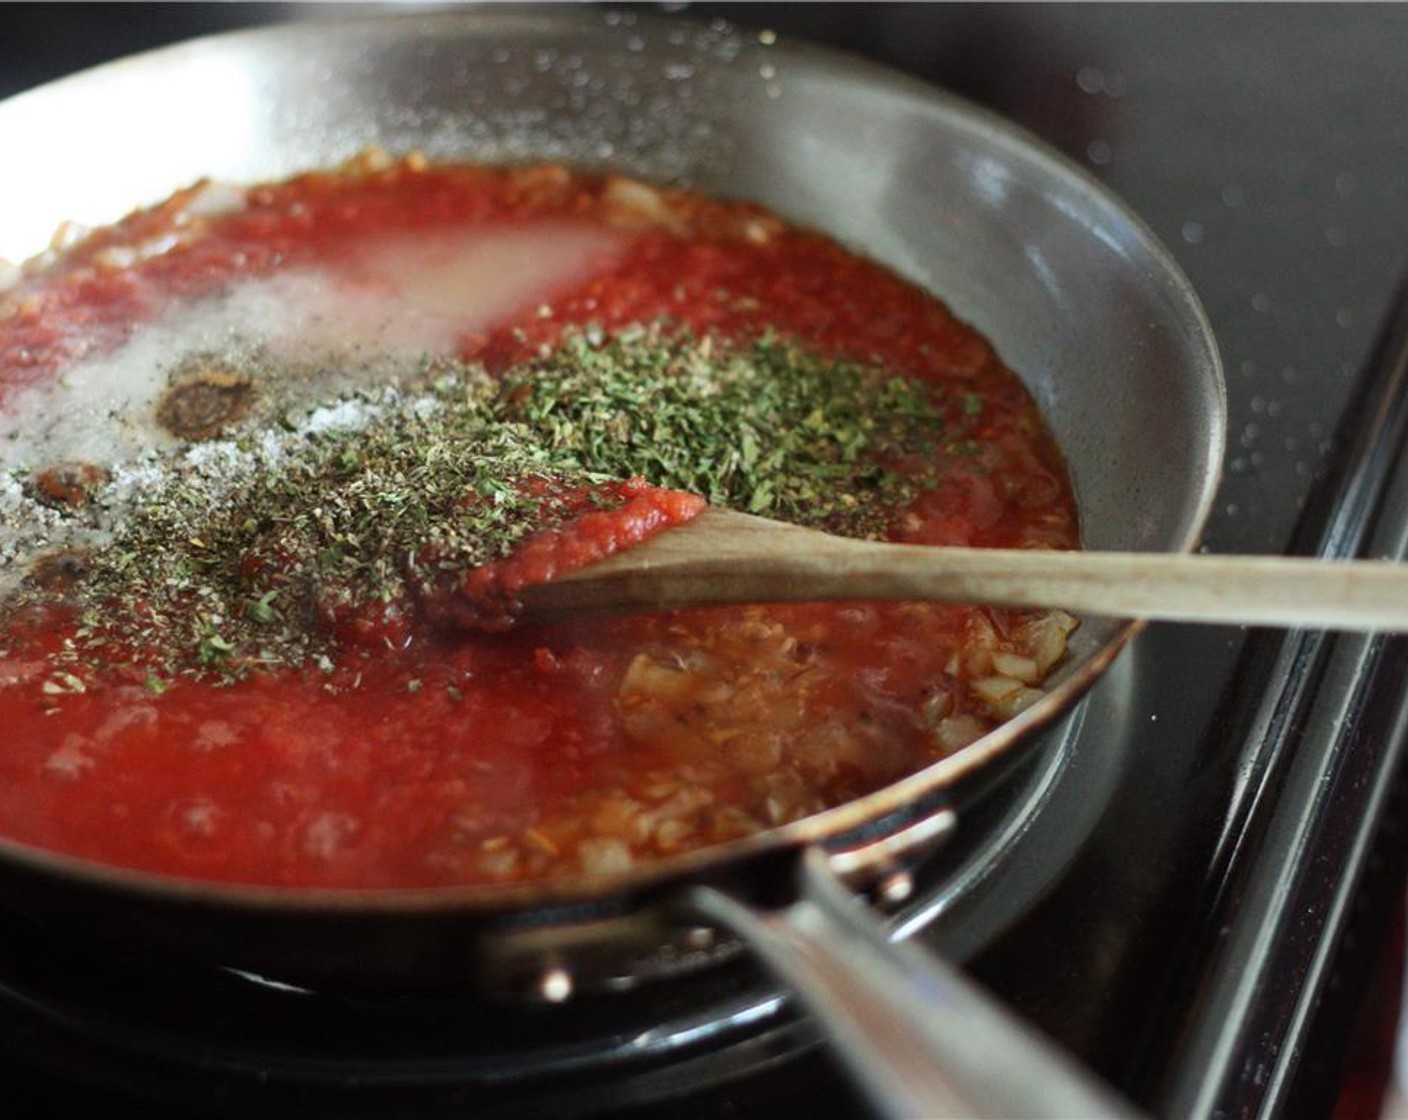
(241, 555)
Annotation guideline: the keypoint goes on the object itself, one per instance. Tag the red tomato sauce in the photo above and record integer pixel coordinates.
(424, 757)
(485, 598)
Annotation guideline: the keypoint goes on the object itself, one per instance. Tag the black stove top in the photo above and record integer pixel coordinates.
(1215, 836)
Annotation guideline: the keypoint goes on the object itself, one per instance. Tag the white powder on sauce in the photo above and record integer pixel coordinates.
(344, 331)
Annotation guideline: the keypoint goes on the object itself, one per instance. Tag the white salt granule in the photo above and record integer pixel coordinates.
(345, 337)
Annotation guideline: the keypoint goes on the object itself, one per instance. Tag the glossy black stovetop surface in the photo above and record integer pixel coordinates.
(1265, 146)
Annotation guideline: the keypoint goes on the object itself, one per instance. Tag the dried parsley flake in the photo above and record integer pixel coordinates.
(244, 555)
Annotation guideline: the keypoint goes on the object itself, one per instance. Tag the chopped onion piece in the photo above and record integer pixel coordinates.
(68, 235)
(957, 732)
(635, 205)
(937, 707)
(212, 198)
(1016, 702)
(994, 690)
(1024, 669)
(603, 857)
(1046, 638)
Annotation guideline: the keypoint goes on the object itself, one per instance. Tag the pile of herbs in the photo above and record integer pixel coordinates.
(214, 575)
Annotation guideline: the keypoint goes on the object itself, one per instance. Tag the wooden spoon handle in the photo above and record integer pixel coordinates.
(1248, 590)
(770, 562)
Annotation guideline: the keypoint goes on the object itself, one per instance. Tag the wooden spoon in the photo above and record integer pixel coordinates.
(725, 557)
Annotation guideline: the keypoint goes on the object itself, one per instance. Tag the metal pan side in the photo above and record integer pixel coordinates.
(1073, 290)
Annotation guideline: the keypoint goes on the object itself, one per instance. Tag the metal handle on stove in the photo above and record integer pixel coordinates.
(919, 1038)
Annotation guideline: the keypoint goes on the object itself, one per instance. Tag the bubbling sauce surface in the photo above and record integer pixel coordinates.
(221, 335)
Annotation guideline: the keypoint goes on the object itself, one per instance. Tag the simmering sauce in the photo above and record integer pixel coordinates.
(275, 458)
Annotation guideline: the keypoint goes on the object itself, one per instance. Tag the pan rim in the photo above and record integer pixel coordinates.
(825, 828)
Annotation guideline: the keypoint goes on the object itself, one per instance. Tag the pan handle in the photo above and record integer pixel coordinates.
(918, 1038)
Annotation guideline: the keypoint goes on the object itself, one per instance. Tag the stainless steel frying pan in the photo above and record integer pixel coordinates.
(1073, 290)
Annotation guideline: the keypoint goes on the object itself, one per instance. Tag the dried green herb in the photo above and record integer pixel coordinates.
(250, 560)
